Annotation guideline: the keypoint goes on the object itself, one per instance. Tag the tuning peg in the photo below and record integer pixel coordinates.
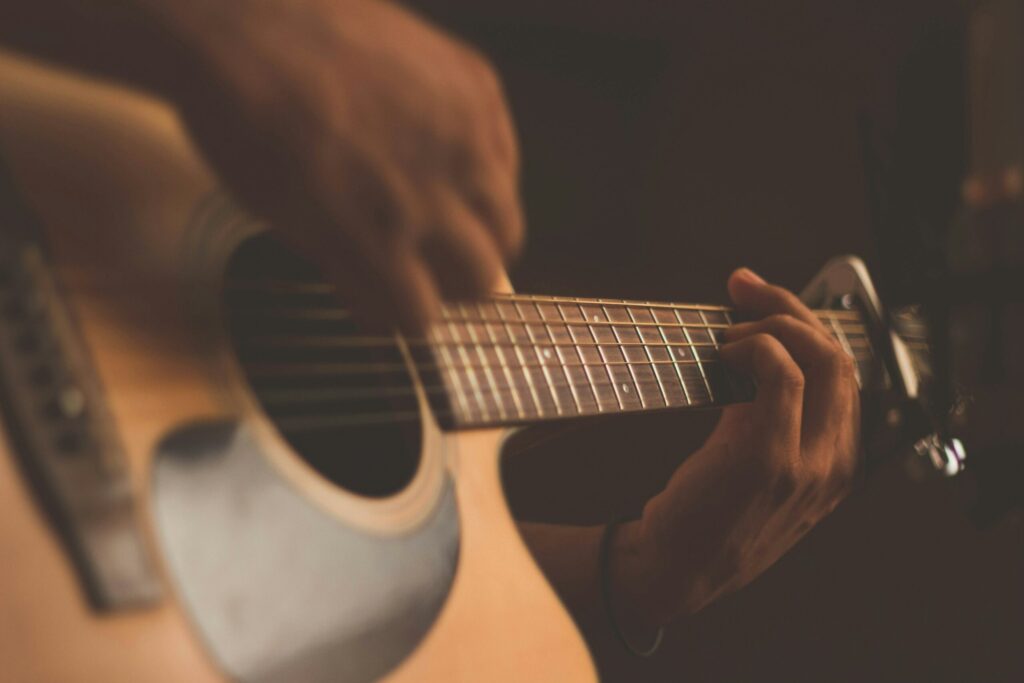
(937, 455)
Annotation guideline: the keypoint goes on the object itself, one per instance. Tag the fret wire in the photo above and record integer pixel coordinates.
(647, 352)
(474, 379)
(700, 366)
(456, 381)
(679, 373)
(516, 398)
(471, 371)
(500, 405)
(629, 369)
(545, 370)
(590, 381)
(704, 320)
(522, 361)
(607, 368)
(565, 369)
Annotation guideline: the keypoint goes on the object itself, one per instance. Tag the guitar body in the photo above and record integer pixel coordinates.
(273, 575)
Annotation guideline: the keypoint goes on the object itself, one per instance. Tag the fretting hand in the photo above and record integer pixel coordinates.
(769, 472)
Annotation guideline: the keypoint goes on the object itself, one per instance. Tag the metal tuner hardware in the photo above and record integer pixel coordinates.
(905, 412)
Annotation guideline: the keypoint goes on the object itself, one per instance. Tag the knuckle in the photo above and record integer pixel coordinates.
(483, 71)
(840, 480)
(841, 364)
(785, 481)
(785, 371)
(728, 565)
(791, 376)
(786, 297)
(766, 345)
(781, 321)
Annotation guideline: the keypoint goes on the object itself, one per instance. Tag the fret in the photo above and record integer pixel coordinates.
(521, 373)
(529, 313)
(716, 373)
(598, 375)
(536, 381)
(615, 361)
(497, 396)
(486, 410)
(595, 355)
(680, 316)
(659, 354)
(634, 315)
(658, 315)
(562, 381)
(579, 382)
(451, 375)
(618, 314)
(506, 370)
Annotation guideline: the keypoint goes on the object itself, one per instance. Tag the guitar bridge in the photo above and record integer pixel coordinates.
(59, 431)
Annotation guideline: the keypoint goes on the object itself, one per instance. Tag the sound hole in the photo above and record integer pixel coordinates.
(342, 398)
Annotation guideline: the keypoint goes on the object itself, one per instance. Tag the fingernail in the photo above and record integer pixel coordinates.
(750, 276)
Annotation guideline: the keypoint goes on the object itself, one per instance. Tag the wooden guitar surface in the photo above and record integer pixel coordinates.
(115, 182)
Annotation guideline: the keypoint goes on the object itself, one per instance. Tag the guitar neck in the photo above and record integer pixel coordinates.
(517, 359)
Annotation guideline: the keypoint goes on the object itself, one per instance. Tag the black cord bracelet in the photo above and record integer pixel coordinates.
(606, 596)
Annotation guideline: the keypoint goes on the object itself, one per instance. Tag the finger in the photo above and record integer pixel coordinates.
(755, 298)
(384, 290)
(827, 369)
(500, 210)
(461, 254)
(490, 187)
(778, 405)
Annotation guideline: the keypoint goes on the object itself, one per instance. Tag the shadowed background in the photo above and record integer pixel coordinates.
(665, 144)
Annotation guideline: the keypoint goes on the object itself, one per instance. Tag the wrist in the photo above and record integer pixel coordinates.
(637, 600)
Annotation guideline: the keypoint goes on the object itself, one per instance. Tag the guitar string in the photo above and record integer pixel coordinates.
(339, 314)
(322, 288)
(493, 392)
(847, 321)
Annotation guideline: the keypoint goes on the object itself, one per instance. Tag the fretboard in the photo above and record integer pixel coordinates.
(516, 359)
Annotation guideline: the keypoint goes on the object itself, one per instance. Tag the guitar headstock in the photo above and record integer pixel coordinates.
(906, 406)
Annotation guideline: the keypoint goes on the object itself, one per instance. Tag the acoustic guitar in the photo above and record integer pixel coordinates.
(208, 472)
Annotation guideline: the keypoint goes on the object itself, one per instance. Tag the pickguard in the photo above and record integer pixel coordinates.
(279, 589)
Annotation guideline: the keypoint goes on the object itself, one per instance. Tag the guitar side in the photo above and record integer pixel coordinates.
(115, 183)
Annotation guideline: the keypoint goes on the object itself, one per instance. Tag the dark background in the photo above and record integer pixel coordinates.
(667, 143)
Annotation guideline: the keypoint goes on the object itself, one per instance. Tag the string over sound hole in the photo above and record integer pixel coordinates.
(343, 399)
